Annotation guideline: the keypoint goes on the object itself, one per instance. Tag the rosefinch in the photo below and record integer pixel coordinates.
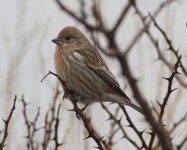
(86, 74)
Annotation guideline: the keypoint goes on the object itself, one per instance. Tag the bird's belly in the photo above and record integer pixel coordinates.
(82, 81)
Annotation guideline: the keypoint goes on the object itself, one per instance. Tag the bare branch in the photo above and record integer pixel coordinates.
(121, 17)
(169, 42)
(131, 124)
(57, 144)
(80, 115)
(7, 121)
(158, 49)
(118, 122)
(178, 123)
(165, 100)
(146, 27)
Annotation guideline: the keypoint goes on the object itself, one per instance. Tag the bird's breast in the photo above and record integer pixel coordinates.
(68, 64)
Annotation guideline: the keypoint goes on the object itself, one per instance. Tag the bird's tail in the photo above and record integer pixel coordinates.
(128, 102)
(135, 107)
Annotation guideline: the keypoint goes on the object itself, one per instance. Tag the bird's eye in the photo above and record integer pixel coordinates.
(67, 38)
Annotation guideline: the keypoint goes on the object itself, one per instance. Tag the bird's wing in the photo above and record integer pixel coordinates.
(95, 62)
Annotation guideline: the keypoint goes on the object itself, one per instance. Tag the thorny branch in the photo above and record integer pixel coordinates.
(7, 121)
(146, 27)
(57, 144)
(163, 136)
(177, 124)
(30, 126)
(157, 47)
(102, 145)
(166, 98)
(49, 121)
(170, 44)
(118, 122)
(131, 124)
(113, 130)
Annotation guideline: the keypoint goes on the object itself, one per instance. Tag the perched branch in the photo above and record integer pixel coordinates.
(80, 115)
(7, 121)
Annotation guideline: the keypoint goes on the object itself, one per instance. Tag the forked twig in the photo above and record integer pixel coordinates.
(7, 121)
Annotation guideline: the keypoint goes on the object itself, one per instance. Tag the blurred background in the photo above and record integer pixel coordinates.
(27, 53)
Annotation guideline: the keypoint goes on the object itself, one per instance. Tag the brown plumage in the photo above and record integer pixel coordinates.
(86, 74)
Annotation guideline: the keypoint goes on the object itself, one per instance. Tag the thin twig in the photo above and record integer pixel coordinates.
(157, 47)
(131, 124)
(118, 122)
(27, 122)
(79, 19)
(7, 121)
(30, 126)
(183, 142)
(178, 123)
(169, 42)
(146, 27)
(121, 17)
(57, 144)
(50, 120)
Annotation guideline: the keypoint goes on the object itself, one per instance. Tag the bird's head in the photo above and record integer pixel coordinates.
(70, 38)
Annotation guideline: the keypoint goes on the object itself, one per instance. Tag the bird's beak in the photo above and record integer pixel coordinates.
(57, 41)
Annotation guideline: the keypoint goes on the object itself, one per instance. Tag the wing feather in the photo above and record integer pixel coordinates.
(95, 62)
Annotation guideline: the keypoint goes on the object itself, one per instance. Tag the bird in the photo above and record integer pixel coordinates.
(84, 70)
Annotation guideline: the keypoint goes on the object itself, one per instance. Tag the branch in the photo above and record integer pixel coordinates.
(180, 146)
(131, 124)
(113, 130)
(27, 122)
(118, 122)
(7, 121)
(49, 121)
(79, 19)
(30, 126)
(57, 144)
(166, 98)
(80, 115)
(178, 123)
(161, 132)
(146, 27)
(158, 49)
(169, 42)
(121, 17)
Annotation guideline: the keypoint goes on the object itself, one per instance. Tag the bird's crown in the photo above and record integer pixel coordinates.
(69, 30)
